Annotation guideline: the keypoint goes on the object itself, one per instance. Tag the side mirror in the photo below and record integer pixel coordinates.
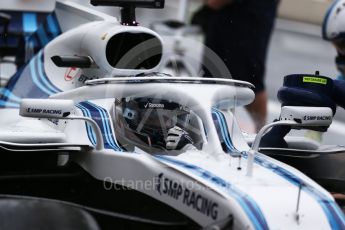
(294, 117)
(307, 116)
(46, 108)
(57, 109)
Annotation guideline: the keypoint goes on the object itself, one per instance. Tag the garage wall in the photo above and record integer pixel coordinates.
(28, 5)
(311, 11)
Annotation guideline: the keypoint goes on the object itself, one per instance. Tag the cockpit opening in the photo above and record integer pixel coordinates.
(157, 126)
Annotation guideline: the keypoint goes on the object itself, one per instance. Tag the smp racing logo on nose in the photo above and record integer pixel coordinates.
(170, 188)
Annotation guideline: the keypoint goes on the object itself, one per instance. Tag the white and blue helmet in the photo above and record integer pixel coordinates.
(333, 27)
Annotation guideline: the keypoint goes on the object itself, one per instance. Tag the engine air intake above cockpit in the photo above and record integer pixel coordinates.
(134, 51)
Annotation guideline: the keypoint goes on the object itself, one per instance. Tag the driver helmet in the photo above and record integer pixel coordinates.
(333, 27)
(150, 118)
(333, 30)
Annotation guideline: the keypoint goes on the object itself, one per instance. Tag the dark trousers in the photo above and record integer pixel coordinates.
(239, 34)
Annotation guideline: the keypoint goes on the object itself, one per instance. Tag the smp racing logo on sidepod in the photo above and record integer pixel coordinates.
(168, 187)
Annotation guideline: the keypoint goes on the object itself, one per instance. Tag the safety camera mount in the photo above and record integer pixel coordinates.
(128, 8)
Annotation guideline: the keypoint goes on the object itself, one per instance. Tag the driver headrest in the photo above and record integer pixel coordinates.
(307, 90)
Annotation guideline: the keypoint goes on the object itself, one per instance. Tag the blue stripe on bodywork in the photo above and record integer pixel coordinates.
(90, 133)
(101, 117)
(96, 114)
(53, 25)
(35, 77)
(249, 205)
(9, 95)
(107, 124)
(29, 22)
(334, 215)
(8, 104)
(224, 130)
(28, 83)
(40, 66)
(42, 36)
(104, 118)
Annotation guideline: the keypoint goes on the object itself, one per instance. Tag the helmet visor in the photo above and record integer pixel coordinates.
(158, 119)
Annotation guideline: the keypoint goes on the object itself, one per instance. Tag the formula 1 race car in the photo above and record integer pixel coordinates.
(93, 137)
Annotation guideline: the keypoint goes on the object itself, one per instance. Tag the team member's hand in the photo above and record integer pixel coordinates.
(340, 63)
(177, 139)
(218, 4)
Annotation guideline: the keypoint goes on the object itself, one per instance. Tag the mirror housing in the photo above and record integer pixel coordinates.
(317, 118)
(57, 109)
(46, 108)
(307, 116)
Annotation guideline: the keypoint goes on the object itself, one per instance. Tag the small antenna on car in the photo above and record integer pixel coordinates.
(239, 163)
(297, 214)
(128, 17)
